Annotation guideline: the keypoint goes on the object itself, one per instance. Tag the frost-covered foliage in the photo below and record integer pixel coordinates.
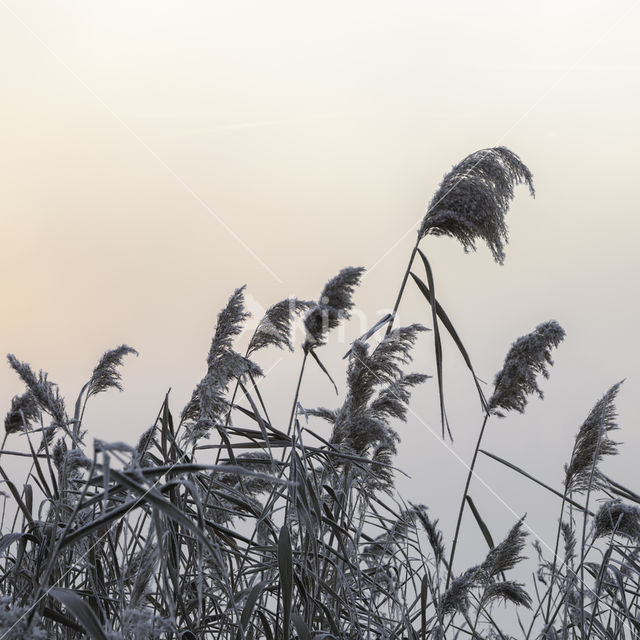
(208, 403)
(474, 197)
(378, 391)
(106, 374)
(593, 444)
(264, 531)
(274, 328)
(528, 357)
(334, 305)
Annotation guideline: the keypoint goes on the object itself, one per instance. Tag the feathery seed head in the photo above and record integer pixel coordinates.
(593, 443)
(528, 356)
(146, 441)
(378, 391)
(74, 459)
(106, 374)
(508, 591)
(474, 197)
(616, 517)
(384, 365)
(335, 303)
(23, 412)
(431, 529)
(44, 392)
(380, 477)
(507, 554)
(274, 329)
(208, 402)
(456, 597)
(229, 325)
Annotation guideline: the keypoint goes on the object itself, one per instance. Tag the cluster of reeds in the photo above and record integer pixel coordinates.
(222, 524)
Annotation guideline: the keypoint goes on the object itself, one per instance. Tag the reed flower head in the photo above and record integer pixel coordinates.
(335, 303)
(500, 559)
(229, 325)
(431, 529)
(456, 597)
(508, 591)
(208, 401)
(23, 412)
(146, 441)
(474, 197)
(106, 374)
(593, 443)
(528, 356)
(616, 517)
(507, 554)
(274, 329)
(378, 391)
(44, 392)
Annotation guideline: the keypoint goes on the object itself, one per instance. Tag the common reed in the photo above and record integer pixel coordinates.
(227, 524)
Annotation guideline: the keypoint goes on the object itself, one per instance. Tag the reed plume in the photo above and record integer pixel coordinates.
(507, 591)
(474, 197)
(508, 553)
(106, 375)
(528, 357)
(502, 558)
(363, 420)
(274, 329)
(208, 401)
(593, 444)
(615, 517)
(334, 305)
(456, 597)
(434, 535)
(44, 392)
(24, 411)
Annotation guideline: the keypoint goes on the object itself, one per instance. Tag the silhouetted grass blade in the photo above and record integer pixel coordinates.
(481, 523)
(285, 566)
(454, 335)
(301, 627)
(317, 359)
(81, 610)
(438, 346)
(530, 477)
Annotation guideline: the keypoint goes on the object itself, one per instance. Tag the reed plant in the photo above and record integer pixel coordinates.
(224, 524)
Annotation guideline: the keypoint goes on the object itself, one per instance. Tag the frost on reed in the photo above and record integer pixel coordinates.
(593, 443)
(615, 517)
(274, 329)
(528, 357)
(208, 402)
(434, 535)
(378, 391)
(43, 392)
(24, 411)
(473, 199)
(499, 560)
(14, 624)
(336, 301)
(106, 375)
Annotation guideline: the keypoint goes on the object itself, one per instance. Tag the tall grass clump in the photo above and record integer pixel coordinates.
(226, 523)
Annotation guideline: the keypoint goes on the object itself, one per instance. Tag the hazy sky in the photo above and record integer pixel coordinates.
(156, 155)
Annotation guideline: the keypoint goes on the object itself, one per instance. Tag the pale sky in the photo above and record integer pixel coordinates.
(156, 155)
